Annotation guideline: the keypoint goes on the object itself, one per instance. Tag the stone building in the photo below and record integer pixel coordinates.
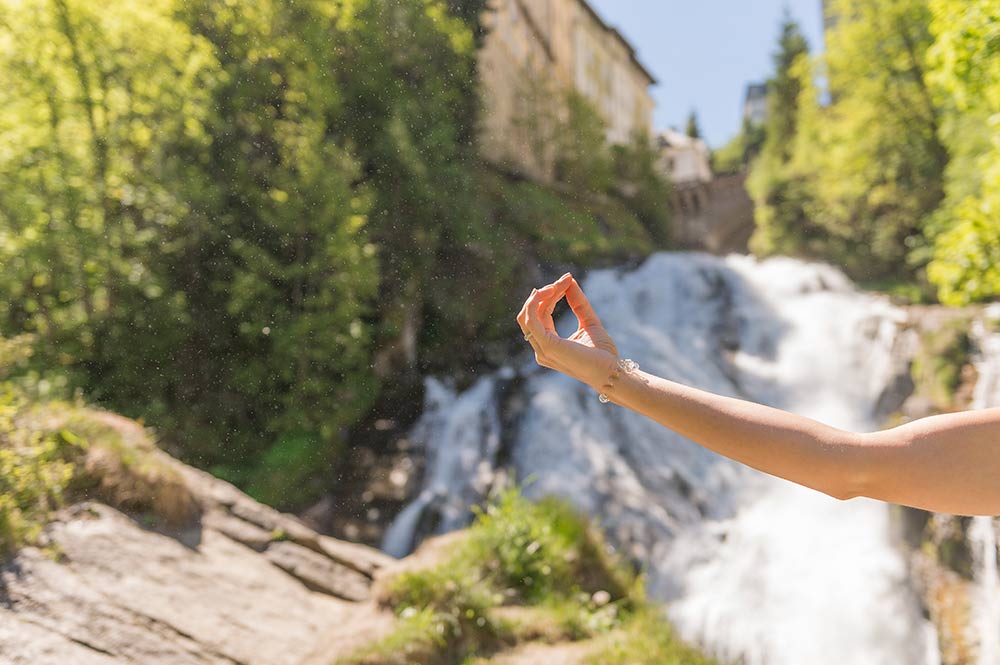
(534, 52)
(755, 104)
(685, 160)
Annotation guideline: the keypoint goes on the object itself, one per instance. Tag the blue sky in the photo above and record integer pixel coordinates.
(704, 52)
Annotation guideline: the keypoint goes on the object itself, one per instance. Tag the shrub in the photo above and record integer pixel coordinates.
(543, 556)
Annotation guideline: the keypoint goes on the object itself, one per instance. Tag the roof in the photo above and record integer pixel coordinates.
(756, 90)
(676, 139)
(614, 31)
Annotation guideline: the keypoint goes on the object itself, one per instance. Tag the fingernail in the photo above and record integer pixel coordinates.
(534, 291)
(564, 276)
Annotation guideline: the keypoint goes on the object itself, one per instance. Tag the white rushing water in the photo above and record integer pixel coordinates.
(752, 567)
(982, 533)
(460, 435)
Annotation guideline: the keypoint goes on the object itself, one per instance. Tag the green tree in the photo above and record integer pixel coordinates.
(275, 259)
(691, 128)
(90, 112)
(199, 258)
(643, 186)
(779, 191)
(784, 90)
(740, 150)
(472, 11)
(409, 116)
(966, 77)
(583, 158)
(861, 182)
(880, 177)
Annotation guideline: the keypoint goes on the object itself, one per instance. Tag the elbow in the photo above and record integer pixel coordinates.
(846, 493)
(849, 488)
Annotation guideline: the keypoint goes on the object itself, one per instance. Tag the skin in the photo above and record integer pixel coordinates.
(946, 463)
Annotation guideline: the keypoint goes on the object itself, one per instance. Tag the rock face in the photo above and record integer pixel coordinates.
(238, 584)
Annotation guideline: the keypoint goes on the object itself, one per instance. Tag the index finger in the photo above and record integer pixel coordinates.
(548, 297)
(580, 305)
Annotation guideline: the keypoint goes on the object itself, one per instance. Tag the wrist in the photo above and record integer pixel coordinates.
(622, 367)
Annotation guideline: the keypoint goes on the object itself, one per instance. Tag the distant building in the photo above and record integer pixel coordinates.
(829, 17)
(535, 50)
(686, 162)
(684, 159)
(755, 104)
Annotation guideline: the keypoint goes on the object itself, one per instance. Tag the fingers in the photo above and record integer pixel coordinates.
(547, 298)
(535, 318)
(536, 314)
(580, 305)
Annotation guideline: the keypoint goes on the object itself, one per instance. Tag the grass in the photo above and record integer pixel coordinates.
(523, 572)
(36, 470)
(647, 638)
(55, 453)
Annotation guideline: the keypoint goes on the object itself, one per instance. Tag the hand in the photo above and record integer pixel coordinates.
(589, 354)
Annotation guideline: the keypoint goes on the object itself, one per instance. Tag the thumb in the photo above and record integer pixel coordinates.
(580, 305)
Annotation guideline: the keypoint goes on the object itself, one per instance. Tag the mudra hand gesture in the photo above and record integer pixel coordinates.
(946, 463)
(589, 354)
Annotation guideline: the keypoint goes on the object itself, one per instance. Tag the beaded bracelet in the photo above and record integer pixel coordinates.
(625, 365)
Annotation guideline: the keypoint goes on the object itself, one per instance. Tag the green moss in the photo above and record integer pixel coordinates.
(945, 539)
(123, 467)
(937, 366)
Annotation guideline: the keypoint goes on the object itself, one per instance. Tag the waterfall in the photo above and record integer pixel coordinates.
(751, 567)
(460, 436)
(982, 533)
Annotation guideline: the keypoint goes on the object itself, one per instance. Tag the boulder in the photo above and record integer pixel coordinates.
(236, 583)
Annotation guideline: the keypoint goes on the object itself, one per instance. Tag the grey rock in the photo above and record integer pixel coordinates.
(318, 572)
(242, 585)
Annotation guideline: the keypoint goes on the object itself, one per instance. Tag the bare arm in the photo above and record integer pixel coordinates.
(948, 463)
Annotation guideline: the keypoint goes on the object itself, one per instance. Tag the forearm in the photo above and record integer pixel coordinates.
(948, 463)
(780, 443)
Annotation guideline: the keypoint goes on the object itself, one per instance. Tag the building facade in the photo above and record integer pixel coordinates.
(686, 160)
(537, 50)
(755, 104)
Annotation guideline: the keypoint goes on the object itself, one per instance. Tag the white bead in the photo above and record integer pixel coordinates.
(627, 365)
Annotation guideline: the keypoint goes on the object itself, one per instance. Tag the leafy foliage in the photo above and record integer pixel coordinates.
(52, 453)
(543, 559)
(775, 181)
(691, 128)
(35, 472)
(966, 233)
(856, 181)
(649, 639)
(583, 160)
(899, 171)
(644, 187)
(239, 229)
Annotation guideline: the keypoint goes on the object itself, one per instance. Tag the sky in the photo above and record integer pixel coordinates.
(704, 52)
